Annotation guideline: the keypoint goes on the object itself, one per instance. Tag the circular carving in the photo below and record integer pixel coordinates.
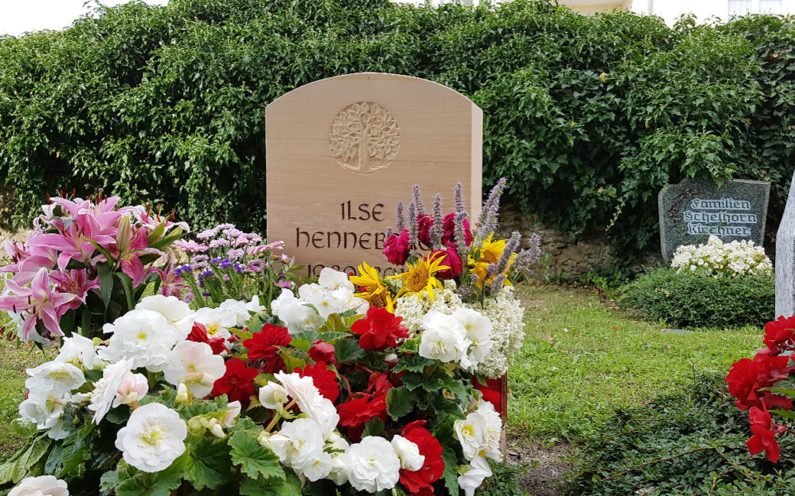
(364, 137)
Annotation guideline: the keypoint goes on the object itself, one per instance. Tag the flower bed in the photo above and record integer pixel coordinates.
(351, 384)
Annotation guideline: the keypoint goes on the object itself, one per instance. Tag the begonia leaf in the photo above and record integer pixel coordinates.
(450, 470)
(399, 402)
(151, 484)
(254, 460)
(289, 485)
(208, 462)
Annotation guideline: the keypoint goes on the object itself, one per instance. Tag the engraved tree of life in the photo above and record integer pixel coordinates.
(364, 137)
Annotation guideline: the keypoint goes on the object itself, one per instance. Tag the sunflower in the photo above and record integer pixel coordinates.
(420, 276)
(372, 289)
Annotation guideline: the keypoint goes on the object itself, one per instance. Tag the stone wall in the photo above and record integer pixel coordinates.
(569, 257)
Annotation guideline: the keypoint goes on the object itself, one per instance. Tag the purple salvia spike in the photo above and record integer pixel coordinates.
(491, 270)
(473, 278)
(488, 216)
(412, 225)
(388, 232)
(418, 200)
(459, 199)
(436, 229)
(401, 220)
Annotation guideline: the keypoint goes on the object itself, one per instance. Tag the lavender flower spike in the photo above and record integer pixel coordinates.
(459, 199)
(437, 229)
(497, 284)
(388, 232)
(412, 225)
(460, 239)
(511, 247)
(417, 199)
(401, 221)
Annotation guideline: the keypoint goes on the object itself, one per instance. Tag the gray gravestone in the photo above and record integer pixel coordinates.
(785, 258)
(693, 210)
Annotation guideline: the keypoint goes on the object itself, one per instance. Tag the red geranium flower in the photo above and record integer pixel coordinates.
(237, 383)
(765, 431)
(779, 334)
(263, 346)
(322, 352)
(379, 330)
(420, 481)
(199, 334)
(396, 248)
(325, 379)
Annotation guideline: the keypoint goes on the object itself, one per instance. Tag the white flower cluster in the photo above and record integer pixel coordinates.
(479, 435)
(737, 258)
(503, 311)
(463, 336)
(333, 293)
(314, 449)
(152, 337)
(45, 485)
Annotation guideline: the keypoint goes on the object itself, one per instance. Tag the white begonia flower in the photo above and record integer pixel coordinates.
(79, 351)
(143, 335)
(194, 365)
(443, 339)
(478, 328)
(231, 413)
(312, 404)
(254, 305)
(106, 388)
(182, 394)
(479, 432)
(339, 468)
(336, 442)
(333, 279)
(474, 476)
(409, 453)
(272, 395)
(216, 321)
(349, 301)
(44, 485)
(326, 303)
(373, 465)
(299, 445)
(237, 308)
(176, 312)
(153, 437)
(132, 389)
(46, 411)
(297, 316)
(57, 377)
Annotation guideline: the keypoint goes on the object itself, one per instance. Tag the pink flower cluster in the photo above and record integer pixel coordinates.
(54, 270)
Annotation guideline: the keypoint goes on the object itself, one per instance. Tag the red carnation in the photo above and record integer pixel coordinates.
(396, 248)
(322, 352)
(379, 330)
(779, 334)
(263, 346)
(424, 224)
(420, 481)
(237, 383)
(199, 334)
(449, 257)
(325, 379)
(448, 225)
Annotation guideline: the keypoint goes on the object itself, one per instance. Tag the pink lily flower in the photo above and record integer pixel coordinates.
(75, 282)
(39, 301)
(171, 284)
(129, 260)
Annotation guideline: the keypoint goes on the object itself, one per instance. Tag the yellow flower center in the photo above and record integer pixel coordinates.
(152, 437)
(141, 335)
(468, 430)
(212, 330)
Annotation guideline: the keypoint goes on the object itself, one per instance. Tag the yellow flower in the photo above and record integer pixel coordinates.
(373, 289)
(421, 276)
(490, 253)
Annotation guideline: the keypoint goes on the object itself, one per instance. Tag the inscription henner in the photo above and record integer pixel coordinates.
(700, 222)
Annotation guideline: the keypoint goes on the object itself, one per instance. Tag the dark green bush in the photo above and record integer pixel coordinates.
(587, 116)
(691, 443)
(695, 300)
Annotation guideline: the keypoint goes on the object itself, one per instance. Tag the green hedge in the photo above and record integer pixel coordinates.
(695, 300)
(587, 116)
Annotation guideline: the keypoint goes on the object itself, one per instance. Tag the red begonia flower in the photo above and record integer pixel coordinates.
(420, 481)
(325, 379)
(322, 352)
(379, 330)
(237, 383)
(263, 346)
(779, 334)
(199, 334)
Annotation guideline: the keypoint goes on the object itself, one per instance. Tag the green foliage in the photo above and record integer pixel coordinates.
(691, 442)
(587, 116)
(504, 482)
(694, 300)
(254, 460)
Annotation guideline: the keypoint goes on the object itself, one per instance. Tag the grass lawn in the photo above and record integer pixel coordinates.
(581, 359)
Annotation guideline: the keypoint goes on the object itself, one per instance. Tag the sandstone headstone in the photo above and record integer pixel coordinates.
(785, 258)
(341, 152)
(692, 210)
